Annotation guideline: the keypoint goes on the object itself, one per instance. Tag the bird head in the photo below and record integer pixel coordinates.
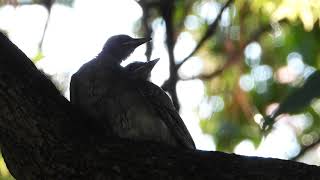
(121, 46)
(141, 70)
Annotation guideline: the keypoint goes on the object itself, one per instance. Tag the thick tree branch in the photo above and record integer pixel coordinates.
(167, 10)
(44, 137)
(210, 32)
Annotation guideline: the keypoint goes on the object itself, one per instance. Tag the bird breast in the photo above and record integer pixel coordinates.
(139, 120)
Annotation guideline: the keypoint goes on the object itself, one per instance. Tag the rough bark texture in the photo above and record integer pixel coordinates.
(43, 137)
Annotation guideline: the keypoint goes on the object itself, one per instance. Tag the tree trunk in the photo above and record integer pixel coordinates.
(44, 137)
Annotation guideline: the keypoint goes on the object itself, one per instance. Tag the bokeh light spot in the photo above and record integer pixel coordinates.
(218, 103)
(261, 73)
(192, 22)
(307, 139)
(295, 62)
(258, 118)
(252, 53)
(246, 82)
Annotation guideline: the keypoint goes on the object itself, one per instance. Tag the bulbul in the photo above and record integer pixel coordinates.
(151, 105)
(94, 86)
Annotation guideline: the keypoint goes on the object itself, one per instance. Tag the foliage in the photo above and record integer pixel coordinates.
(278, 39)
(281, 40)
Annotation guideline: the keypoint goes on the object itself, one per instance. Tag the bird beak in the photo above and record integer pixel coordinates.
(152, 63)
(137, 42)
(147, 67)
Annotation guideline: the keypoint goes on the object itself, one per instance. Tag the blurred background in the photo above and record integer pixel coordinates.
(225, 64)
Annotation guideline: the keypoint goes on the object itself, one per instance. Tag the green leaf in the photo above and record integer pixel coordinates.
(38, 57)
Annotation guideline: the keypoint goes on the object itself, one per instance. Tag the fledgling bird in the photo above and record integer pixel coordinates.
(122, 102)
(94, 86)
(140, 70)
(155, 107)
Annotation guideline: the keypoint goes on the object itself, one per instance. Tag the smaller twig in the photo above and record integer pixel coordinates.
(204, 76)
(210, 31)
(267, 27)
(47, 4)
(44, 31)
(254, 37)
(233, 59)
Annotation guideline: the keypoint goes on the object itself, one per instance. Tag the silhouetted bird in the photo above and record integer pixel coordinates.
(152, 106)
(93, 87)
(122, 101)
(140, 70)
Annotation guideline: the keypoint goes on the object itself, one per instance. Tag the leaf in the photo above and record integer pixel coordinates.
(296, 101)
(38, 57)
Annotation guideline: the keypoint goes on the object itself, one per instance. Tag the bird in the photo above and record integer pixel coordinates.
(154, 107)
(122, 102)
(140, 70)
(91, 87)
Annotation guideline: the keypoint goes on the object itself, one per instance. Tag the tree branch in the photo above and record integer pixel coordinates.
(44, 137)
(146, 26)
(167, 10)
(235, 57)
(210, 32)
(48, 5)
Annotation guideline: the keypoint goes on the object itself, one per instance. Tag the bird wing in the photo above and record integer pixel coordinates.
(163, 105)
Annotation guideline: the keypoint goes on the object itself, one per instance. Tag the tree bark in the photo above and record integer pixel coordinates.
(43, 137)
